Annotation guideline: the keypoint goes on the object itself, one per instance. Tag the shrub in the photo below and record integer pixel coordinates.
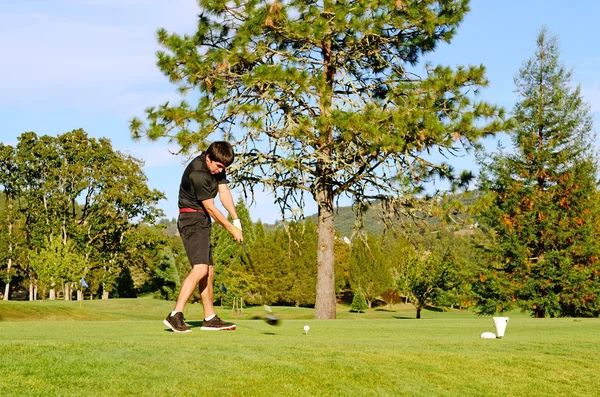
(359, 303)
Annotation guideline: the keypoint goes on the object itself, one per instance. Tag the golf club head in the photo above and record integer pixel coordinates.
(272, 320)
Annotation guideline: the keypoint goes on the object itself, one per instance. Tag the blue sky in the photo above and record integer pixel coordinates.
(90, 64)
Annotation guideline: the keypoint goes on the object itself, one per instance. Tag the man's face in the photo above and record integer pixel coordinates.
(214, 167)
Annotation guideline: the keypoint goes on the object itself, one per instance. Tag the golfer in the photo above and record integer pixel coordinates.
(202, 180)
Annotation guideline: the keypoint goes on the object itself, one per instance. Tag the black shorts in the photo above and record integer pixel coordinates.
(194, 229)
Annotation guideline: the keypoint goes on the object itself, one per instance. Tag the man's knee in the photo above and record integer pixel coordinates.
(200, 271)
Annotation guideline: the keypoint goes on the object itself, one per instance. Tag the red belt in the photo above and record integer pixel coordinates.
(189, 210)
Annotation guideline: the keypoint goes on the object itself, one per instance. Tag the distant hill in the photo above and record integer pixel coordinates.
(345, 217)
(170, 224)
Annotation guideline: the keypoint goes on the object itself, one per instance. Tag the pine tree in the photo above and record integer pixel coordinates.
(228, 256)
(543, 199)
(359, 303)
(166, 276)
(325, 102)
(303, 262)
(368, 268)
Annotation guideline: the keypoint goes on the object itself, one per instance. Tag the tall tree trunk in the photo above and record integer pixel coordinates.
(418, 312)
(67, 292)
(325, 299)
(10, 250)
(7, 286)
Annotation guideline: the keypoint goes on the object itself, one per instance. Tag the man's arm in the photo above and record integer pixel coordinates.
(213, 211)
(227, 200)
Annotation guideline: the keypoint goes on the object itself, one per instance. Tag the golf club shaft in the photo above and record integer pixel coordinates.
(247, 253)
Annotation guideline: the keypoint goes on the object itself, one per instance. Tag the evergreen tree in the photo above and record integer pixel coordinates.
(166, 276)
(228, 256)
(359, 303)
(542, 200)
(325, 102)
(302, 263)
(368, 268)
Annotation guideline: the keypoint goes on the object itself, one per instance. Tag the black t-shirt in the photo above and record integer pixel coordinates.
(197, 184)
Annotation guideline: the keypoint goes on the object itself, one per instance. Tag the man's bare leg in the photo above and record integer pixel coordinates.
(206, 292)
(212, 321)
(197, 274)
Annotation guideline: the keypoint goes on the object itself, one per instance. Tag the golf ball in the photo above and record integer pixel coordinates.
(306, 328)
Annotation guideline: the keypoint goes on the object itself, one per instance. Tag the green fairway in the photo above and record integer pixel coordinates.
(376, 353)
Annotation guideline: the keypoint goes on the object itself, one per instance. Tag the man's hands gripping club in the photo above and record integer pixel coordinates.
(237, 223)
(237, 230)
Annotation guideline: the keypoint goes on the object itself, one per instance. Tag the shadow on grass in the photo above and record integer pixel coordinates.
(198, 324)
(403, 318)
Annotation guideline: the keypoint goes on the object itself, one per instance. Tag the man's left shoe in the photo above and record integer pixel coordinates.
(216, 324)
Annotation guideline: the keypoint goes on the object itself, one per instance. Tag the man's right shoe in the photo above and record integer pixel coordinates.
(216, 324)
(177, 323)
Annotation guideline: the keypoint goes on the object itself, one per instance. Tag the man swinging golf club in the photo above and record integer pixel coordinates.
(202, 180)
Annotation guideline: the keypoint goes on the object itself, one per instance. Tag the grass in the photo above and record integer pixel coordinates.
(120, 347)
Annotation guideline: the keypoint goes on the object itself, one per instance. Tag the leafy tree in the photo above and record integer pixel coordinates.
(57, 263)
(391, 297)
(55, 173)
(359, 303)
(12, 243)
(462, 257)
(325, 100)
(543, 201)
(424, 278)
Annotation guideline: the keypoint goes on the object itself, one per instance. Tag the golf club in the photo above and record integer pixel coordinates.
(270, 318)
(247, 253)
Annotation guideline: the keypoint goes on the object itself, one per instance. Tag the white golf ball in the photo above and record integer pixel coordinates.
(306, 328)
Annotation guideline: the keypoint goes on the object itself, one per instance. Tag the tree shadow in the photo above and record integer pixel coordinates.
(403, 318)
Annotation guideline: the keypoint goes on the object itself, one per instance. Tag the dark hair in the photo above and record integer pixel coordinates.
(221, 152)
